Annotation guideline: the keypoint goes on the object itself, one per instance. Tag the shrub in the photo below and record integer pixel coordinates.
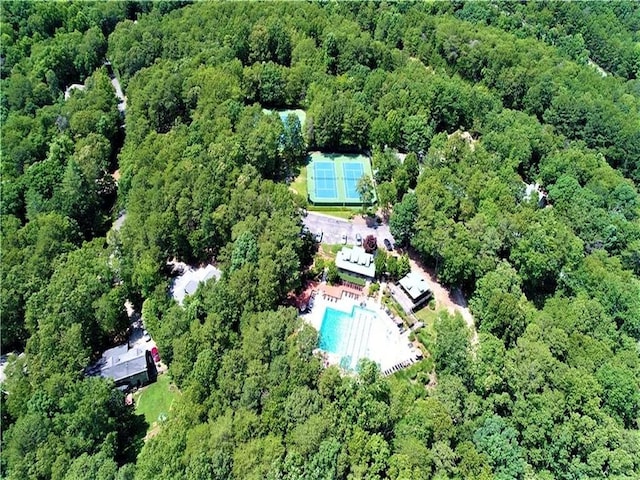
(333, 276)
(370, 244)
(404, 266)
(351, 278)
(318, 267)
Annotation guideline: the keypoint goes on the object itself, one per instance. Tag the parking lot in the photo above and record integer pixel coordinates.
(333, 228)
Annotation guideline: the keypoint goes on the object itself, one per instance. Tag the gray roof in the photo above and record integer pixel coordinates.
(414, 285)
(213, 273)
(356, 260)
(121, 362)
(191, 287)
(187, 282)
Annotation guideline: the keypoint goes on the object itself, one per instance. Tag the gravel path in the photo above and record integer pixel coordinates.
(453, 301)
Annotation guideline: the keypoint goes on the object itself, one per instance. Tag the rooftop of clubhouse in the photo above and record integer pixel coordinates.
(356, 260)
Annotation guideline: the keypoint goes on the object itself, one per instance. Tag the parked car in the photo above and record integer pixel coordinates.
(155, 354)
(358, 239)
(344, 238)
(145, 336)
(387, 244)
(318, 237)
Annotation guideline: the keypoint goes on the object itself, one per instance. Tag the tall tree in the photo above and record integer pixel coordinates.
(452, 344)
(366, 191)
(499, 442)
(403, 218)
(293, 146)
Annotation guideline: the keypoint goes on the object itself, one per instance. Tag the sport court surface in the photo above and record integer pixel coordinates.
(332, 179)
(301, 114)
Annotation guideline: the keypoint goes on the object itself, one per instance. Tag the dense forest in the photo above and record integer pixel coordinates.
(483, 97)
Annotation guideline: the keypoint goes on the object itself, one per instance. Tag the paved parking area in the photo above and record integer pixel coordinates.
(333, 228)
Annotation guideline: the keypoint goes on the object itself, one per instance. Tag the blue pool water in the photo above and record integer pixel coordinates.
(347, 334)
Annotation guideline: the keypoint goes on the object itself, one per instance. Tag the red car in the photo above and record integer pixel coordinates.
(155, 354)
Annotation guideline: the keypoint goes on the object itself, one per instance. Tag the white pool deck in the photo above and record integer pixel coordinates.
(385, 344)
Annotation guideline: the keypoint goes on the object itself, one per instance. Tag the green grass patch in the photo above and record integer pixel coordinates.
(339, 212)
(427, 335)
(330, 250)
(299, 185)
(155, 399)
(426, 316)
(353, 279)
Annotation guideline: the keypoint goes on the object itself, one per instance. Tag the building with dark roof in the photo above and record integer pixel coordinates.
(413, 292)
(130, 367)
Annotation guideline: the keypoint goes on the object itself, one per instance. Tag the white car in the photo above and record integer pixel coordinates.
(145, 336)
(358, 239)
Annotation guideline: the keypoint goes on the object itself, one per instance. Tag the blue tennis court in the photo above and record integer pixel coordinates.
(325, 180)
(332, 178)
(353, 171)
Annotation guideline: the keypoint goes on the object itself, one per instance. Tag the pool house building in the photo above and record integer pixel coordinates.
(355, 261)
(413, 292)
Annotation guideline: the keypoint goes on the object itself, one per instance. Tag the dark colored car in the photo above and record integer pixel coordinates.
(155, 354)
(387, 244)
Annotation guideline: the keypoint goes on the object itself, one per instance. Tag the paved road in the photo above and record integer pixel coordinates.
(122, 104)
(333, 228)
(4, 360)
(117, 224)
(3, 364)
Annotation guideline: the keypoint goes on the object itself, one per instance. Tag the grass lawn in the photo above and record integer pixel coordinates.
(330, 251)
(426, 316)
(155, 399)
(341, 212)
(426, 335)
(299, 185)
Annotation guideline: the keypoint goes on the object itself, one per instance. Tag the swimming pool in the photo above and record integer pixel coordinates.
(347, 334)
